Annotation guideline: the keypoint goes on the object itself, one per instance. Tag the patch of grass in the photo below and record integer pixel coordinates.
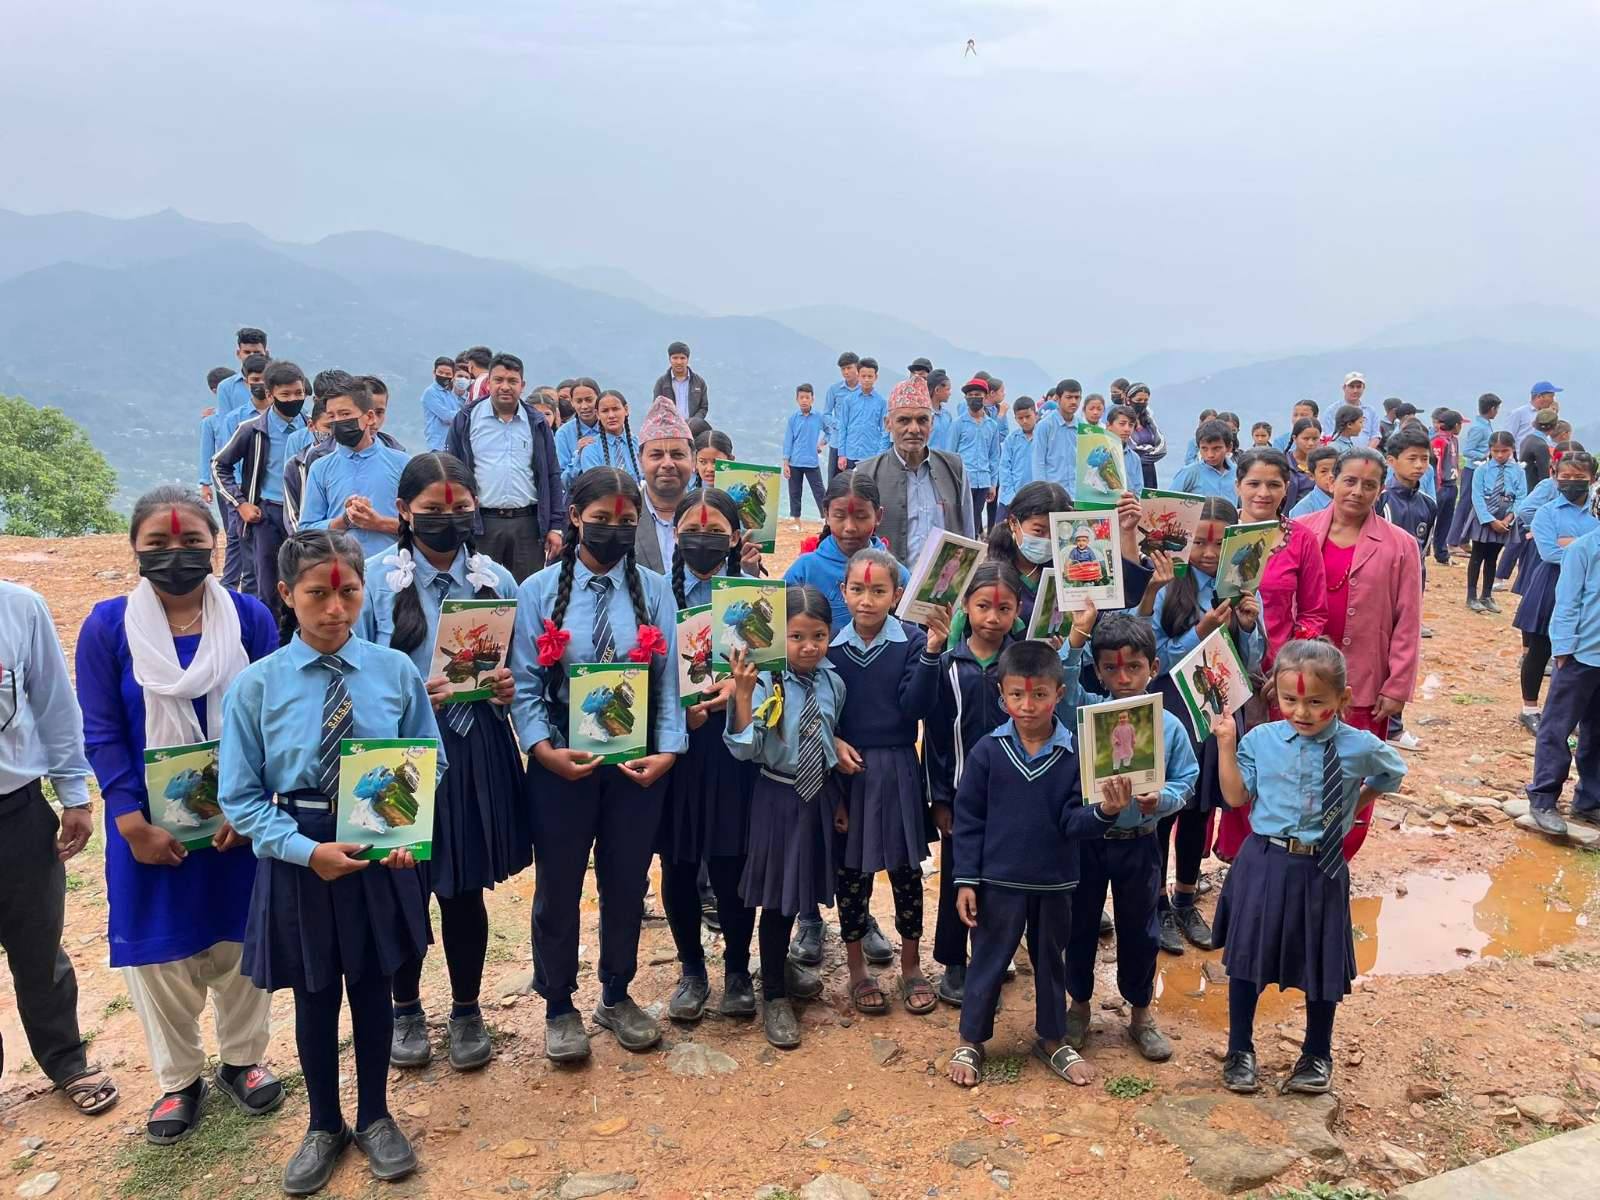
(21, 1163)
(783, 1194)
(1129, 1087)
(1327, 1191)
(1003, 1068)
(1359, 933)
(89, 1036)
(76, 883)
(225, 1141)
(1471, 698)
(1542, 1131)
(117, 1004)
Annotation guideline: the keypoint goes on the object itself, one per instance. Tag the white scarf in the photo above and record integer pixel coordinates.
(169, 717)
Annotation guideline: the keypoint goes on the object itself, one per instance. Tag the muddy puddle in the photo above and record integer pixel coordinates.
(1532, 902)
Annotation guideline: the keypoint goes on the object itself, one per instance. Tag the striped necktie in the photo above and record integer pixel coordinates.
(336, 724)
(1335, 808)
(810, 766)
(457, 716)
(605, 646)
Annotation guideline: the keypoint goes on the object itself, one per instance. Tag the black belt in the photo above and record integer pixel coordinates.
(307, 801)
(1138, 831)
(1293, 845)
(510, 514)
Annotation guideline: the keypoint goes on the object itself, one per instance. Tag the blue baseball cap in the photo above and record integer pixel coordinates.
(1543, 386)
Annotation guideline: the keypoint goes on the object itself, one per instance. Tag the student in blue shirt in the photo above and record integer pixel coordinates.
(942, 434)
(594, 605)
(1573, 705)
(1211, 474)
(1321, 464)
(785, 723)
(1284, 913)
(1016, 455)
(1055, 440)
(324, 921)
(1497, 487)
(481, 830)
(615, 445)
(582, 431)
(1474, 453)
(1304, 410)
(440, 404)
(1349, 428)
(233, 393)
(1191, 452)
(238, 568)
(352, 489)
(710, 447)
(801, 436)
(834, 400)
(978, 446)
(862, 432)
(1122, 420)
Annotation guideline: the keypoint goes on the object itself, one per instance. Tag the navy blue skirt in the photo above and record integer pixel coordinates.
(707, 809)
(306, 932)
(1281, 920)
(891, 824)
(1538, 594)
(1475, 531)
(789, 865)
(482, 827)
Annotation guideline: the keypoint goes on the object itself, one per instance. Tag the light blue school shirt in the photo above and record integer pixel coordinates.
(43, 726)
(279, 434)
(439, 409)
(833, 402)
(376, 622)
(1202, 479)
(299, 440)
(923, 511)
(780, 751)
(1520, 423)
(1055, 452)
(1016, 463)
(696, 591)
(1560, 519)
(1060, 739)
(1282, 772)
(624, 454)
(1347, 443)
(208, 448)
(334, 478)
(1251, 644)
(1475, 442)
(892, 631)
(978, 445)
(1543, 492)
(567, 438)
(536, 599)
(800, 438)
(502, 453)
(1575, 621)
(1508, 477)
(1182, 769)
(272, 731)
(942, 434)
(1191, 452)
(233, 394)
(1281, 442)
(1132, 468)
(862, 433)
(1313, 501)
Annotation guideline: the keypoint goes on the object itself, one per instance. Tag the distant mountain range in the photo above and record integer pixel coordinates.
(117, 321)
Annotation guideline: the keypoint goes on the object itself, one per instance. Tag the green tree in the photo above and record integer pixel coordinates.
(53, 482)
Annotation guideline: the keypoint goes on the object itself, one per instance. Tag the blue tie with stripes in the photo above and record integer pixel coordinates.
(605, 647)
(1335, 808)
(336, 725)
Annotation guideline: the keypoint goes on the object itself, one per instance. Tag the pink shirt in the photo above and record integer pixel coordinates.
(1294, 597)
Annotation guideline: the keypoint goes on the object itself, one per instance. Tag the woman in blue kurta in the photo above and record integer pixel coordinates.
(324, 921)
(481, 831)
(152, 670)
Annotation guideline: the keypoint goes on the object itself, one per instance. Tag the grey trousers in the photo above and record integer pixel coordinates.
(33, 900)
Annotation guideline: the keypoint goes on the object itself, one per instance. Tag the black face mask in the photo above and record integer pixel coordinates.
(974, 403)
(288, 409)
(1576, 491)
(175, 572)
(348, 432)
(608, 544)
(703, 553)
(258, 391)
(443, 532)
(444, 384)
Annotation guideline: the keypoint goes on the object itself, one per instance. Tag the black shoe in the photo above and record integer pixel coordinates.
(1239, 1072)
(806, 948)
(1152, 1043)
(952, 986)
(633, 1026)
(1474, 605)
(1171, 941)
(565, 1039)
(875, 947)
(801, 983)
(389, 1153)
(409, 1046)
(470, 1047)
(1107, 925)
(1489, 605)
(738, 996)
(1529, 721)
(1311, 1075)
(311, 1166)
(1549, 821)
(1193, 926)
(688, 1002)
(782, 1027)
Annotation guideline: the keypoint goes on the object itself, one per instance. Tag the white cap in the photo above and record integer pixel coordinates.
(1355, 377)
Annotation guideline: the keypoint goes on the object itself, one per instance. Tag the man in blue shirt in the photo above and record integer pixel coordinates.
(440, 404)
(862, 433)
(235, 564)
(1355, 391)
(801, 439)
(943, 436)
(233, 393)
(1573, 702)
(353, 490)
(833, 402)
(978, 446)
(1055, 439)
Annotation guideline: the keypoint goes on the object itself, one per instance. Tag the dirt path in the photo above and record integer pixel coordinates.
(1481, 965)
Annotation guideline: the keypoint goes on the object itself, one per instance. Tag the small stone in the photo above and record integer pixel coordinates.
(884, 1051)
(518, 1184)
(842, 1117)
(767, 1056)
(1439, 820)
(1506, 1116)
(1546, 1110)
(32, 1143)
(419, 1110)
(693, 1059)
(1050, 1139)
(520, 984)
(1546, 960)
(1408, 1165)
(1482, 1103)
(1212, 971)
(968, 1152)
(1002, 1179)
(249, 1180)
(579, 1187)
(1111, 1003)
(1591, 1020)
(610, 1128)
(41, 1184)
(1400, 889)
(1417, 1112)
(516, 1148)
(1516, 807)
(1421, 1093)
(815, 1143)
(508, 1001)
(834, 1187)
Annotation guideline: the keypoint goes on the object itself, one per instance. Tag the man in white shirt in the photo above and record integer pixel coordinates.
(1519, 424)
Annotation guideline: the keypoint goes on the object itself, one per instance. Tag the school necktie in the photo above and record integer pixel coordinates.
(457, 716)
(811, 766)
(336, 724)
(605, 647)
(1335, 807)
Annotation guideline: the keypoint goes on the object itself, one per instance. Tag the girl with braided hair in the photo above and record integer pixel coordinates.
(481, 833)
(595, 604)
(615, 446)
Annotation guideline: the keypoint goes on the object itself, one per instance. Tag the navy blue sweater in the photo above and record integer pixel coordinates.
(1017, 825)
(886, 691)
(1411, 509)
(966, 710)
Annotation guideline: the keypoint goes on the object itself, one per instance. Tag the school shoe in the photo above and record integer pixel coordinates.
(1107, 925)
(1152, 1043)
(1171, 941)
(688, 1002)
(311, 1166)
(409, 1046)
(1239, 1072)
(806, 948)
(1193, 927)
(1312, 1075)
(780, 1024)
(565, 1040)
(1406, 741)
(800, 982)
(469, 1044)
(738, 996)
(633, 1026)
(1474, 605)
(875, 947)
(952, 986)
(1549, 821)
(1077, 1032)
(1529, 721)
(388, 1150)
(1490, 606)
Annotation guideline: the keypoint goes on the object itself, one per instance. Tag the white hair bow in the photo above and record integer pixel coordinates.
(403, 569)
(480, 571)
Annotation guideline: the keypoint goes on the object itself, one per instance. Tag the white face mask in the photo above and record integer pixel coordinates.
(1035, 549)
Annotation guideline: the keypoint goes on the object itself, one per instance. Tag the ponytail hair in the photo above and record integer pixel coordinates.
(720, 500)
(422, 472)
(1180, 607)
(1039, 498)
(306, 549)
(627, 432)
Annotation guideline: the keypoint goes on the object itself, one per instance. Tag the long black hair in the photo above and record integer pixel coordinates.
(1039, 498)
(423, 471)
(1270, 456)
(843, 485)
(723, 503)
(627, 431)
(598, 483)
(304, 550)
(1180, 610)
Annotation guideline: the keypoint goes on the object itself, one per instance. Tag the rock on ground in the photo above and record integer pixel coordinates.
(1547, 1110)
(578, 1187)
(1242, 1142)
(693, 1059)
(834, 1187)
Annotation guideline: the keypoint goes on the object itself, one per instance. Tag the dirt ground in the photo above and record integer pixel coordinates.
(1476, 941)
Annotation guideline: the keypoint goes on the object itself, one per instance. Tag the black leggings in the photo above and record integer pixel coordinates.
(1484, 557)
(680, 896)
(316, 1037)
(1242, 997)
(774, 941)
(855, 901)
(464, 928)
(1535, 658)
(1191, 823)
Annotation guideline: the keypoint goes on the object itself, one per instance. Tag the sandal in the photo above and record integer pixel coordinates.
(91, 1092)
(1061, 1062)
(916, 985)
(858, 997)
(178, 1109)
(971, 1058)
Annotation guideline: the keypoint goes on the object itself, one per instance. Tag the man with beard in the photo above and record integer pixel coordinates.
(1146, 438)
(666, 460)
(921, 490)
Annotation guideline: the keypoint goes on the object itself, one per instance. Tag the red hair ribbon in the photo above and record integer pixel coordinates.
(808, 544)
(551, 644)
(651, 642)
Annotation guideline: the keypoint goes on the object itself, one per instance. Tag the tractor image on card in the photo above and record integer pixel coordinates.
(386, 798)
(696, 652)
(608, 712)
(474, 652)
(1165, 533)
(751, 499)
(748, 625)
(191, 796)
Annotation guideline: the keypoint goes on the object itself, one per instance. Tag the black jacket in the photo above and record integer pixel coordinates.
(552, 509)
(248, 449)
(699, 397)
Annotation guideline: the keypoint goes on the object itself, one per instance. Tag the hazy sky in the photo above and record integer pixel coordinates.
(1116, 174)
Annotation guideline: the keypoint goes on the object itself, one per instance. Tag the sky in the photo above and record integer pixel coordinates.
(1129, 176)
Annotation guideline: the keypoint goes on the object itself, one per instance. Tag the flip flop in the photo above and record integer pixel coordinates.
(858, 997)
(911, 987)
(1060, 1062)
(971, 1058)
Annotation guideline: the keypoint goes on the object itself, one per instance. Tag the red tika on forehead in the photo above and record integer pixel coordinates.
(449, 494)
(705, 514)
(1299, 683)
(1122, 660)
(867, 576)
(173, 514)
(994, 596)
(616, 508)
(333, 574)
